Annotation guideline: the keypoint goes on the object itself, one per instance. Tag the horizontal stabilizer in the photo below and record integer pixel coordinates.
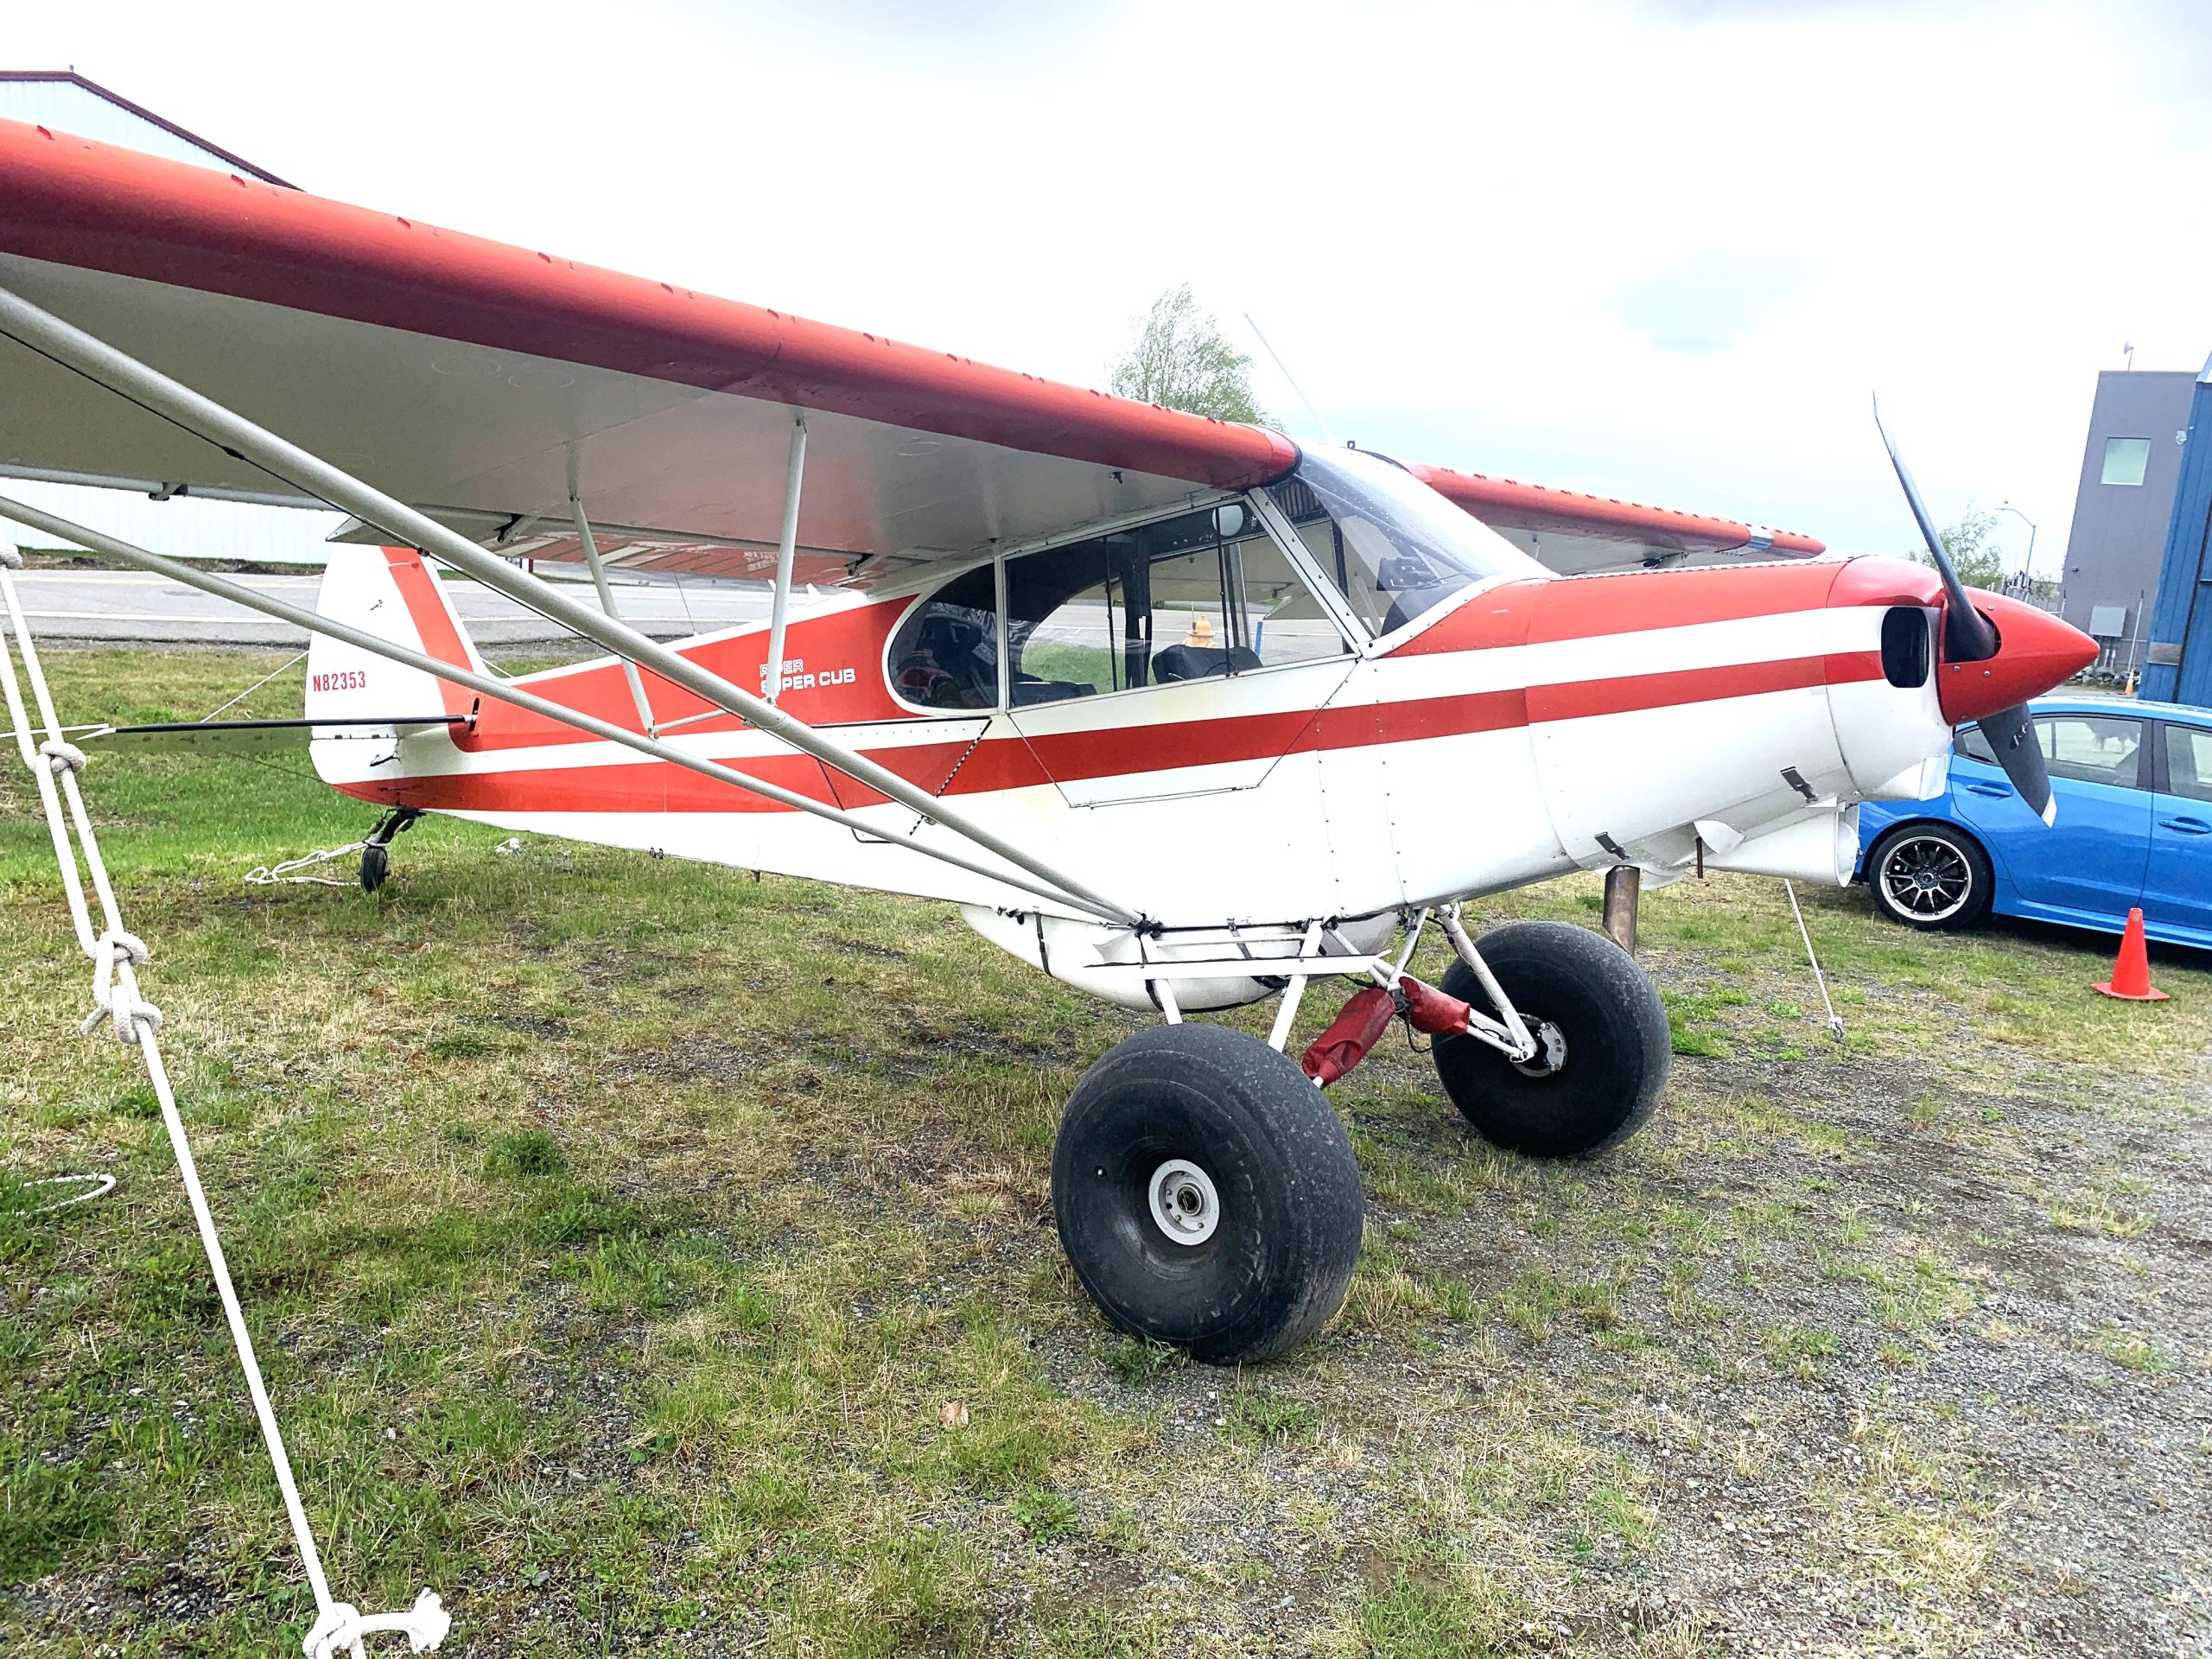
(256, 736)
(12, 736)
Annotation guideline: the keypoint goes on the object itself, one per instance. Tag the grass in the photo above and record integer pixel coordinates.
(1799, 1351)
(2133, 1350)
(1262, 1417)
(614, 1279)
(1435, 1618)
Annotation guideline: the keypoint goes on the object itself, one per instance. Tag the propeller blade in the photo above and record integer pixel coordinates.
(2014, 743)
(1967, 635)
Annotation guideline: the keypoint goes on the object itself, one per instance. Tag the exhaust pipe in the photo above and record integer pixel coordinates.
(1822, 847)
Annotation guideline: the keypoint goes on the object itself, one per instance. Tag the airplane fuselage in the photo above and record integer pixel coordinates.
(1729, 717)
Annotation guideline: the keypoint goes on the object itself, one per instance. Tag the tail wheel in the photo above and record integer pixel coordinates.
(1603, 1047)
(375, 850)
(1930, 875)
(1206, 1194)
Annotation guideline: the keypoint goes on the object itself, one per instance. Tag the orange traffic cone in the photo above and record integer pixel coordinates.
(2130, 974)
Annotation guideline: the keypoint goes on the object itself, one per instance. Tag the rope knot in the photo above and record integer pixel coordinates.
(128, 1013)
(62, 757)
(115, 988)
(340, 1627)
(126, 943)
(343, 1625)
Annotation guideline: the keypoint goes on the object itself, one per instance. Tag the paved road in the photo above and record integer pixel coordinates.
(136, 607)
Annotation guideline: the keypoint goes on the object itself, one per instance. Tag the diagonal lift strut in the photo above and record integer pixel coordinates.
(104, 365)
(505, 692)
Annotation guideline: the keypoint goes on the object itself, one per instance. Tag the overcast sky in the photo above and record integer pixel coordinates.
(1661, 248)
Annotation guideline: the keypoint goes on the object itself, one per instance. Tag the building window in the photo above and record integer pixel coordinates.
(2125, 460)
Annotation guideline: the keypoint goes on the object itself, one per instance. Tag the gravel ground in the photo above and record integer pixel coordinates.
(2007, 1486)
(1899, 1347)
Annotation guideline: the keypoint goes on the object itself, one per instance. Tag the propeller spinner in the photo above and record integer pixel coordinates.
(1970, 637)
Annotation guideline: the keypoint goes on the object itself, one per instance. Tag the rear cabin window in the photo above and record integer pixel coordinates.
(945, 655)
(2084, 748)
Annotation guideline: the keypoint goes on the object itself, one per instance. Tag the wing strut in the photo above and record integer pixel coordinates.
(120, 372)
(786, 550)
(607, 603)
(506, 691)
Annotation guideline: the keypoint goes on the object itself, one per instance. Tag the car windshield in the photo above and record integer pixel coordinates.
(1394, 547)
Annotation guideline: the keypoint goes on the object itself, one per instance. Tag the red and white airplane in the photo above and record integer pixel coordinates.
(1177, 711)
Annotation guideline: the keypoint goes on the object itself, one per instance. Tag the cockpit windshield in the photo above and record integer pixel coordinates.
(1393, 546)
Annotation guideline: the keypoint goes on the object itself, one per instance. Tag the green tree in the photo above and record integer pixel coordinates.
(1179, 358)
(1971, 545)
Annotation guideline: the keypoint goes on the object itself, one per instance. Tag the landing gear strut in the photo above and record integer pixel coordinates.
(1206, 1194)
(376, 849)
(1603, 1047)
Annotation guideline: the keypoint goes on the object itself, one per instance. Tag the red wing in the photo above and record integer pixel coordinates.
(484, 382)
(478, 380)
(1569, 530)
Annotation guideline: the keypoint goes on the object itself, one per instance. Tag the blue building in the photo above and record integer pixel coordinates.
(2177, 663)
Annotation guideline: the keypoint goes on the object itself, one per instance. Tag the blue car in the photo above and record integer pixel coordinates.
(2133, 786)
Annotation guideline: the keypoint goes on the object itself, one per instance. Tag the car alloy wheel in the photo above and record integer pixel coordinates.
(1926, 877)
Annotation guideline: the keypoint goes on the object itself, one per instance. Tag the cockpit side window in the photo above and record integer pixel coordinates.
(1201, 595)
(1067, 611)
(1357, 580)
(945, 655)
(1280, 619)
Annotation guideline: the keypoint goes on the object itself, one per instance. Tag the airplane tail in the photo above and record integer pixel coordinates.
(392, 593)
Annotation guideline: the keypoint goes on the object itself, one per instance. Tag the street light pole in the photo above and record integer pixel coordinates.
(2027, 570)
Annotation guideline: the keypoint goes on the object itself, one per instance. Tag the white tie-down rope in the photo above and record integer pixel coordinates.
(98, 1184)
(1835, 1025)
(267, 875)
(117, 955)
(221, 707)
(270, 875)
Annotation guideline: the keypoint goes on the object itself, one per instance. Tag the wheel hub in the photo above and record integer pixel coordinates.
(1184, 1205)
(1551, 1050)
(1926, 878)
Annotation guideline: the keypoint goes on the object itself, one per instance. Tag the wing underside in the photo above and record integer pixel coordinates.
(488, 385)
(490, 442)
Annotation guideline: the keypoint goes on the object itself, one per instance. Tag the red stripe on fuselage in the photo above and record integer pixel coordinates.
(1013, 763)
(1516, 613)
(1635, 601)
(1581, 699)
(833, 645)
(434, 624)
